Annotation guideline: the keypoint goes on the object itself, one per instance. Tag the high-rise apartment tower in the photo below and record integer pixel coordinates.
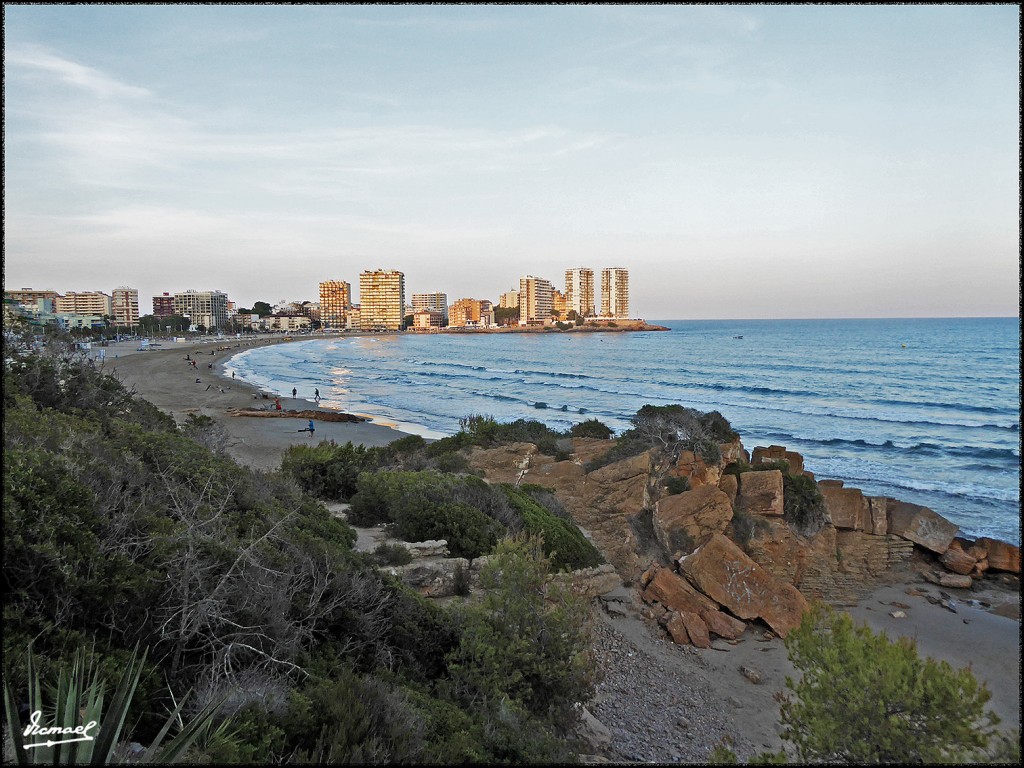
(579, 291)
(615, 292)
(382, 300)
(535, 304)
(125, 303)
(335, 303)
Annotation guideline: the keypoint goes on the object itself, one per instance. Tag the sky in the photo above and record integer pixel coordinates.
(758, 161)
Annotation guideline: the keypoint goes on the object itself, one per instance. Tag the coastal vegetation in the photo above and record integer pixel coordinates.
(863, 699)
(124, 536)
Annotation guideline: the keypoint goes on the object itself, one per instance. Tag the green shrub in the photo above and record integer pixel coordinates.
(865, 699)
(591, 428)
(562, 541)
(328, 470)
(676, 485)
(803, 505)
(391, 553)
(421, 506)
(527, 639)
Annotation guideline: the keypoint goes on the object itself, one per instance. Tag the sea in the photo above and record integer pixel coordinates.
(922, 410)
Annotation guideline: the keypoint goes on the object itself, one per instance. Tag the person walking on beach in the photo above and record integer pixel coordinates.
(277, 403)
(295, 392)
(316, 394)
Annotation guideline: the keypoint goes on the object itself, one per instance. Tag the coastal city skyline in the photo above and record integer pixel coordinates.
(745, 161)
(383, 303)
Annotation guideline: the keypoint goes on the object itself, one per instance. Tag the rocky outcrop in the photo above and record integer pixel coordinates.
(689, 616)
(847, 507)
(724, 573)
(602, 502)
(686, 520)
(1001, 555)
(920, 525)
(762, 455)
(760, 493)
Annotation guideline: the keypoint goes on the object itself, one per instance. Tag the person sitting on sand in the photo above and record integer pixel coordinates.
(277, 403)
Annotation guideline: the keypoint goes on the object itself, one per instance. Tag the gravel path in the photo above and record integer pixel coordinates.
(655, 698)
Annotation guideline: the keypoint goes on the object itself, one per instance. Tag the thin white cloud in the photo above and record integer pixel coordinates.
(72, 73)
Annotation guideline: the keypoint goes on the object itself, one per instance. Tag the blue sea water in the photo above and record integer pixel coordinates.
(923, 410)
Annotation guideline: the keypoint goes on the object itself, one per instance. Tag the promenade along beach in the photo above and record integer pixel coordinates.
(424, 384)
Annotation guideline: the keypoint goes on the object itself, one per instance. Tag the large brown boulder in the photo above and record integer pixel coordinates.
(760, 493)
(686, 520)
(847, 507)
(671, 591)
(675, 593)
(778, 453)
(920, 525)
(958, 561)
(724, 573)
(1002, 556)
(506, 463)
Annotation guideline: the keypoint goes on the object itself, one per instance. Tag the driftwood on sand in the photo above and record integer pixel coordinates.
(308, 414)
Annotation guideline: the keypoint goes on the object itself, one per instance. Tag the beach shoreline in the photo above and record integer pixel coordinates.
(164, 377)
(975, 636)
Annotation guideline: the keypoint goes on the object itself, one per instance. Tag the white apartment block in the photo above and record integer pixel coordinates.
(286, 322)
(206, 308)
(579, 291)
(382, 300)
(535, 300)
(335, 303)
(84, 303)
(615, 293)
(431, 302)
(125, 304)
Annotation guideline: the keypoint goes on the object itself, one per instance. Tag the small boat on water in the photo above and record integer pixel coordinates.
(737, 337)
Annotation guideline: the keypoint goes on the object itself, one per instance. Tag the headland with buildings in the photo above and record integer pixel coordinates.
(589, 302)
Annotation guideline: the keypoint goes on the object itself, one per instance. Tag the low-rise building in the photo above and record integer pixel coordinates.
(471, 313)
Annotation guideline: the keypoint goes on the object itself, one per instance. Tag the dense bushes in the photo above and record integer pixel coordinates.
(119, 529)
(563, 543)
(469, 513)
(421, 506)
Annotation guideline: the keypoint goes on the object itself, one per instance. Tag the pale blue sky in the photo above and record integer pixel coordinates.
(740, 161)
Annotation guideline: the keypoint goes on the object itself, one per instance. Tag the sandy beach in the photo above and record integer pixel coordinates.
(973, 635)
(166, 378)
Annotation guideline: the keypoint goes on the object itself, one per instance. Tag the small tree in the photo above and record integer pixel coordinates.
(866, 699)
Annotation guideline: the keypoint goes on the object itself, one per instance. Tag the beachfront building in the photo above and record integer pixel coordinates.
(509, 300)
(206, 308)
(335, 303)
(471, 313)
(558, 303)
(431, 302)
(382, 300)
(30, 298)
(354, 318)
(535, 305)
(579, 291)
(426, 320)
(615, 292)
(163, 305)
(94, 303)
(125, 303)
(286, 322)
